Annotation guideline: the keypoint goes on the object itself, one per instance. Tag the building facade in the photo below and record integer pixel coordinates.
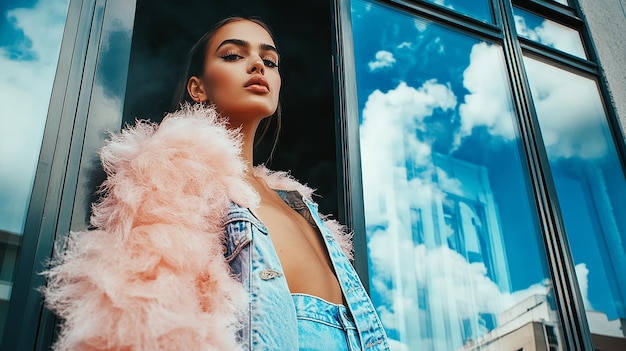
(476, 149)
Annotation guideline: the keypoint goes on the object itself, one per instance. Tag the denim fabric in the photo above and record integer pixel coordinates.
(271, 323)
(324, 326)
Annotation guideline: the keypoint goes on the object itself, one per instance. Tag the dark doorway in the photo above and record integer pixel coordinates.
(165, 30)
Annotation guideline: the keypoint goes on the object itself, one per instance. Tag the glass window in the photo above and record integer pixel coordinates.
(30, 40)
(478, 9)
(549, 33)
(455, 255)
(591, 188)
(562, 2)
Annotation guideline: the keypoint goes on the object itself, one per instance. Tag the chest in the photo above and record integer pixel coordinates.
(296, 240)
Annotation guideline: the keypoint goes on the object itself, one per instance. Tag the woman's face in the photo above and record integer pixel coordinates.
(241, 72)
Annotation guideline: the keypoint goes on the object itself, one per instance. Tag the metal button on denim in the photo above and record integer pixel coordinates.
(269, 274)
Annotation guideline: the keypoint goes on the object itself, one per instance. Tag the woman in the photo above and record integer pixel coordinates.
(196, 249)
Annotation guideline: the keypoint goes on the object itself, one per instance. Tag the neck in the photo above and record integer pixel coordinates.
(248, 128)
(248, 131)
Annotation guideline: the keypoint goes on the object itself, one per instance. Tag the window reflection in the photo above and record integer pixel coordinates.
(29, 50)
(478, 9)
(562, 2)
(455, 255)
(591, 188)
(549, 33)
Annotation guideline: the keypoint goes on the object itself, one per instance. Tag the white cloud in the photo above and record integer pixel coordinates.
(444, 3)
(582, 273)
(569, 111)
(552, 34)
(599, 322)
(384, 59)
(25, 88)
(420, 25)
(488, 104)
(405, 44)
(388, 137)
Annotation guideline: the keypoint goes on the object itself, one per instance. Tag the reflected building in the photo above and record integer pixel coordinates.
(469, 216)
(464, 218)
(525, 326)
(458, 253)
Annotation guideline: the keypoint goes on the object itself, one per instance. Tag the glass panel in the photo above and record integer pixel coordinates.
(478, 9)
(562, 2)
(30, 39)
(106, 102)
(591, 188)
(549, 33)
(455, 252)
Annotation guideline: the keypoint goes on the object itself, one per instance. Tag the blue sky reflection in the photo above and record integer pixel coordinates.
(29, 48)
(591, 187)
(452, 239)
(478, 9)
(548, 33)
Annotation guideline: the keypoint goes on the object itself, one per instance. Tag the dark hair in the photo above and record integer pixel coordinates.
(195, 67)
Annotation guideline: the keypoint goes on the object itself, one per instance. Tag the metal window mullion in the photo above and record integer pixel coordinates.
(76, 113)
(348, 141)
(448, 18)
(564, 14)
(567, 294)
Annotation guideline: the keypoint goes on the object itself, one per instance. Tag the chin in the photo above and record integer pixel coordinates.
(262, 110)
(250, 112)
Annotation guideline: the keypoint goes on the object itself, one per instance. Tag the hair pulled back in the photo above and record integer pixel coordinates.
(195, 67)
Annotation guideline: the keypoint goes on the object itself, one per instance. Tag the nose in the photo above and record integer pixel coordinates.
(257, 66)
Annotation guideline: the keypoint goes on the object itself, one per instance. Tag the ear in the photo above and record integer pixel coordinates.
(196, 89)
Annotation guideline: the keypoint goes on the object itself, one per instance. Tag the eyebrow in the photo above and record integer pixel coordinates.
(243, 43)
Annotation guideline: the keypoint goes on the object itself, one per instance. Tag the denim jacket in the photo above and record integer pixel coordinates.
(271, 321)
(152, 276)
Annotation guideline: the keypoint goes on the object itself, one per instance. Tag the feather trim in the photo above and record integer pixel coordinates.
(179, 172)
(152, 275)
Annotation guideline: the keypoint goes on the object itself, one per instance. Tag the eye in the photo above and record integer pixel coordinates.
(270, 63)
(231, 57)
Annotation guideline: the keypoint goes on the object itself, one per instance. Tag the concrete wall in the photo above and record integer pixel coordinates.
(607, 23)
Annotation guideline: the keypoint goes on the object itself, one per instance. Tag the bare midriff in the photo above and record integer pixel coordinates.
(300, 248)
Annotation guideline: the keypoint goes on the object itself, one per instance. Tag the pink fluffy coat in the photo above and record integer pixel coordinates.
(152, 275)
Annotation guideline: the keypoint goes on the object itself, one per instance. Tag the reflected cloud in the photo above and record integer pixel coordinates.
(403, 273)
(550, 33)
(582, 274)
(569, 112)
(400, 193)
(421, 26)
(391, 121)
(443, 3)
(488, 103)
(25, 88)
(384, 59)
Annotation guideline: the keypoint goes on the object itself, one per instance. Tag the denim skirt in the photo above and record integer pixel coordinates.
(324, 326)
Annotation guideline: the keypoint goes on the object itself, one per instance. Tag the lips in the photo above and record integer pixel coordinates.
(257, 82)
